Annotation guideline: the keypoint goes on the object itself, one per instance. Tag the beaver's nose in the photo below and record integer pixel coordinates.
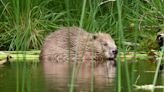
(115, 52)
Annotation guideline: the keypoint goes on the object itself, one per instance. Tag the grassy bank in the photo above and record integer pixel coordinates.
(28, 22)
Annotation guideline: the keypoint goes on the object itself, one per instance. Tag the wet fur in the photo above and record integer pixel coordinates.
(73, 43)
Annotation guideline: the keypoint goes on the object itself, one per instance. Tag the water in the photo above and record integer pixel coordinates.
(56, 77)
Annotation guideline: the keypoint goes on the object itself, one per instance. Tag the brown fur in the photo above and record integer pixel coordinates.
(73, 43)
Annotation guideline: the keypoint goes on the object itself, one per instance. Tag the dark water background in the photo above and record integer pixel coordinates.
(56, 77)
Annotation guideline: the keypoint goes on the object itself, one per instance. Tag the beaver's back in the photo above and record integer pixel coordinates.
(62, 43)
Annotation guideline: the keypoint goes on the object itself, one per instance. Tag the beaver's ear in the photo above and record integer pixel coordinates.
(94, 37)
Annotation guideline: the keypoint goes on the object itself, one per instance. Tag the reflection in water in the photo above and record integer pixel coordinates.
(21, 77)
(58, 77)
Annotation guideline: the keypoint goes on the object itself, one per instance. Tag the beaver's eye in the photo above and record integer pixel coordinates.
(94, 37)
(105, 44)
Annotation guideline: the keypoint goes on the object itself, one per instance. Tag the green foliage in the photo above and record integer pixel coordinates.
(31, 20)
(148, 43)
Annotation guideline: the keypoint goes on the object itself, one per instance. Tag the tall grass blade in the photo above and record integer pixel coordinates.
(16, 4)
(119, 46)
(121, 39)
(75, 63)
(82, 13)
(135, 41)
(157, 69)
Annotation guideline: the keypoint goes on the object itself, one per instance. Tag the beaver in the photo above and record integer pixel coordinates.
(75, 44)
(160, 37)
(160, 40)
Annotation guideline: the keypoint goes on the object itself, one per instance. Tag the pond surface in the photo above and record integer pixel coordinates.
(57, 77)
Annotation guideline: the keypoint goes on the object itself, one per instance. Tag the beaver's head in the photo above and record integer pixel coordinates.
(160, 37)
(106, 45)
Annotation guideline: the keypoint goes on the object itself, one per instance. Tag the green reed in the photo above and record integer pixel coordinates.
(21, 22)
(120, 35)
(75, 63)
(16, 18)
(157, 68)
